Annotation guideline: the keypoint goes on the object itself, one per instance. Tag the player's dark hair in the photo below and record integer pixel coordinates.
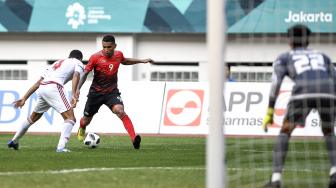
(76, 54)
(299, 35)
(109, 38)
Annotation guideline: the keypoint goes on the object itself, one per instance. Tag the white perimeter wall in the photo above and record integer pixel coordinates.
(37, 48)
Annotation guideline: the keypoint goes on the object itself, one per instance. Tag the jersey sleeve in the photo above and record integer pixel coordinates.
(329, 64)
(92, 61)
(279, 72)
(79, 67)
(119, 56)
(331, 69)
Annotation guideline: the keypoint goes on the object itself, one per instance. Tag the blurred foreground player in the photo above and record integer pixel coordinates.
(313, 75)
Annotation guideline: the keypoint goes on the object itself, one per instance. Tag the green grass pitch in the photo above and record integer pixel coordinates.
(162, 162)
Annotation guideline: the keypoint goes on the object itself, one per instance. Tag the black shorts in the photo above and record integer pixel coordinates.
(96, 100)
(298, 110)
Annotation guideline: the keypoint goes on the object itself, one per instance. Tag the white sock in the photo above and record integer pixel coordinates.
(65, 134)
(332, 170)
(22, 130)
(276, 176)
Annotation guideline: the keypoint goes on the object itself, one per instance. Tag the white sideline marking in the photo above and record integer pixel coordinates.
(67, 171)
(269, 169)
(269, 151)
(79, 170)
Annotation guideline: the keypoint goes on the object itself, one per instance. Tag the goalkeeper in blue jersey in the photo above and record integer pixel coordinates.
(313, 75)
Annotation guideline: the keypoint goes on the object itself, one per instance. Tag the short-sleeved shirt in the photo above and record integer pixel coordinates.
(105, 78)
(51, 92)
(311, 71)
(62, 71)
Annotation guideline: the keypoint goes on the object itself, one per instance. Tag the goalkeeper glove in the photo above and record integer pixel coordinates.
(268, 119)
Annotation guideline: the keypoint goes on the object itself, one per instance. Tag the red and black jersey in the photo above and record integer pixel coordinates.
(105, 78)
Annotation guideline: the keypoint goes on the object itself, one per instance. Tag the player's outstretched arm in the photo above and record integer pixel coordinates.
(132, 61)
(19, 103)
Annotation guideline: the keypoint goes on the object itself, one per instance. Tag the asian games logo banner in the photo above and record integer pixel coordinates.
(88, 16)
(183, 107)
(77, 15)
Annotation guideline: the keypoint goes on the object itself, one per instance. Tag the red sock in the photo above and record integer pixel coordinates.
(128, 126)
(81, 124)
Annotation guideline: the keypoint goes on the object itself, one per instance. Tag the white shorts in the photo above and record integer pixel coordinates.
(52, 95)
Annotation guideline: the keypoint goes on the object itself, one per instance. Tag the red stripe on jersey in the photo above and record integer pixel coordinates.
(65, 101)
(50, 82)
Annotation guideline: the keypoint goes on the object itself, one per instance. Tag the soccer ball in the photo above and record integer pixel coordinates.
(92, 140)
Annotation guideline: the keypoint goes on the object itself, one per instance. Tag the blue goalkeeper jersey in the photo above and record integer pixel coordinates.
(311, 71)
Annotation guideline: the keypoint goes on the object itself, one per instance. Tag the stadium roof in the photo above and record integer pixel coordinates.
(163, 16)
(275, 16)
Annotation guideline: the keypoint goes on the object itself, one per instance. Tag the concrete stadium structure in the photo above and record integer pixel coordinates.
(172, 52)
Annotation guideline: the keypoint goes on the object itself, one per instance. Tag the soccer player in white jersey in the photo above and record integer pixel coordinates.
(51, 93)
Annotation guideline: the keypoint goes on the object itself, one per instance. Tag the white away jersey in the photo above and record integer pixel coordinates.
(62, 71)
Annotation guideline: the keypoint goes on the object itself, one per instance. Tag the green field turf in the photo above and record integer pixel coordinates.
(162, 162)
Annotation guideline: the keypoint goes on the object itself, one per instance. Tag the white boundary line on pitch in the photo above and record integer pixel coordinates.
(269, 151)
(79, 170)
(270, 169)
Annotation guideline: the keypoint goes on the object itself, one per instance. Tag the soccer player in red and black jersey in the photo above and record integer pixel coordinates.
(104, 87)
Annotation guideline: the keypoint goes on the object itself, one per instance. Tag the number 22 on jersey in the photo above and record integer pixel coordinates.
(306, 62)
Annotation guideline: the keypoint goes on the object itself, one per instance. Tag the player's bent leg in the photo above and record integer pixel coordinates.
(279, 154)
(65, 135)
(14, 142)
(128, 126)
(118, 109)
(69, 122)
(330, 140)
